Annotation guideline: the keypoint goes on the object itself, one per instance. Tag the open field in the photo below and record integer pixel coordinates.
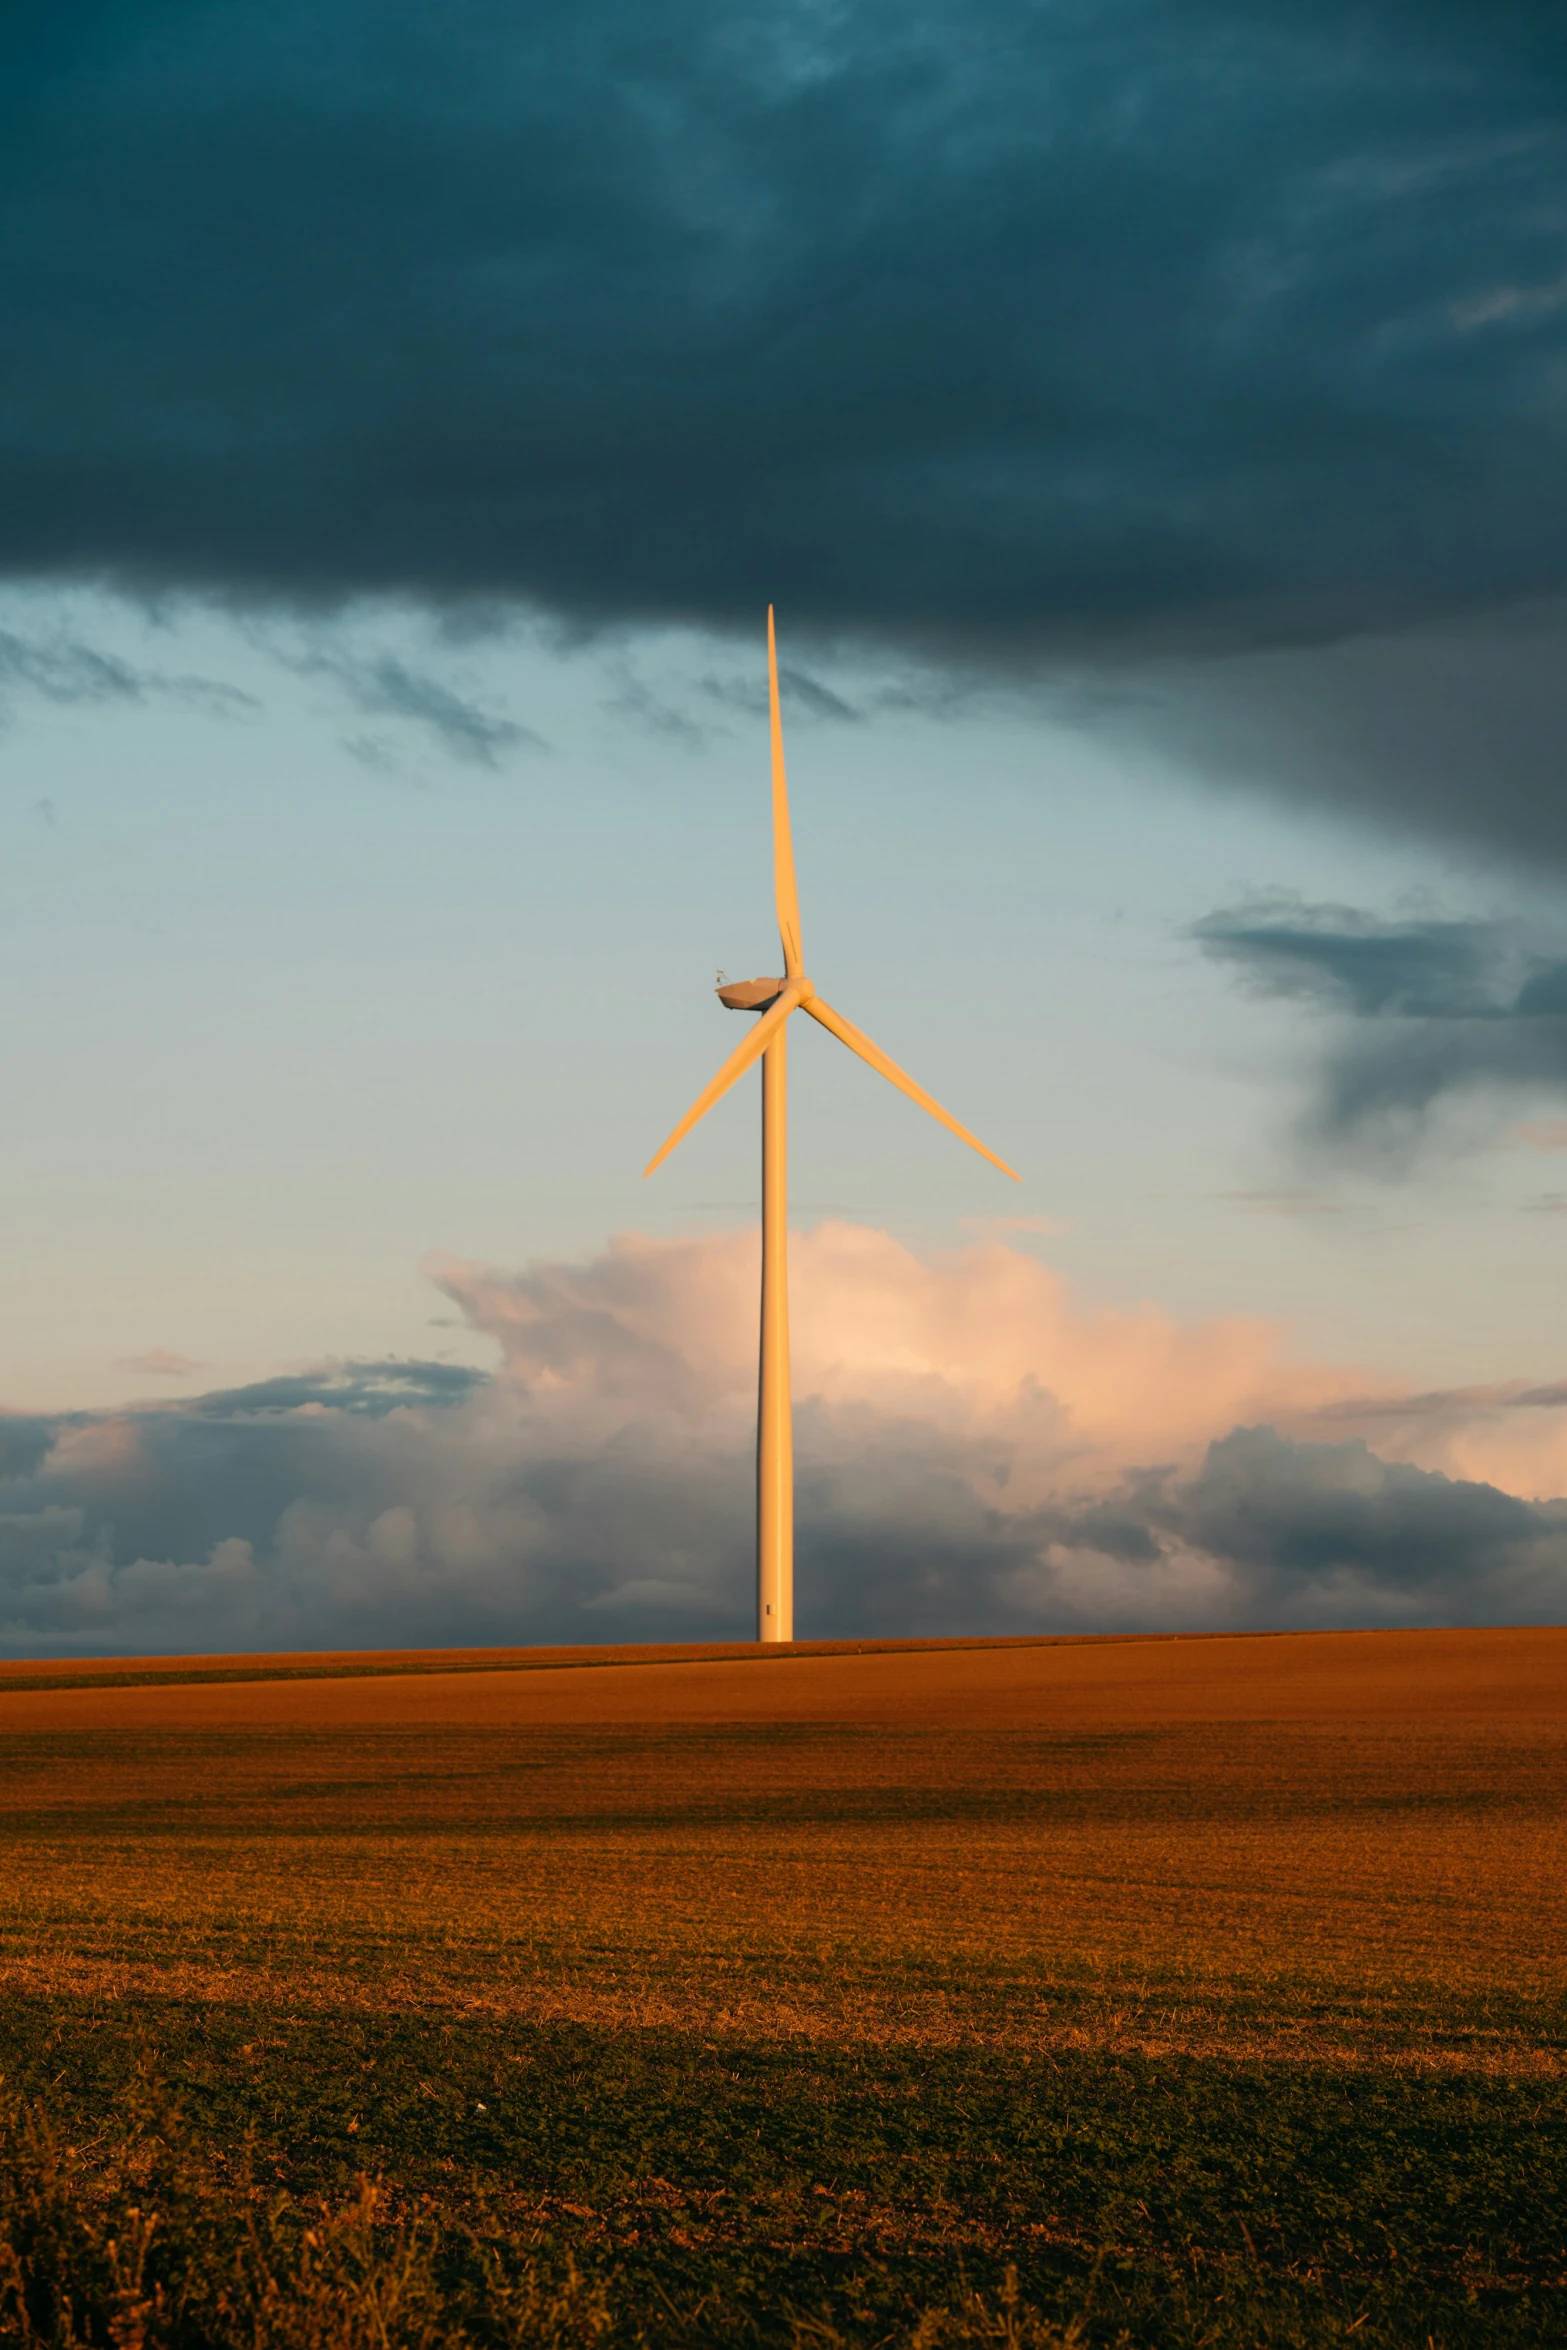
(1213, 1985)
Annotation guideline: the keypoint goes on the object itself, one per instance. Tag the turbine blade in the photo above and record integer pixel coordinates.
(787, 896)
(735, 1067)
(848, 1034)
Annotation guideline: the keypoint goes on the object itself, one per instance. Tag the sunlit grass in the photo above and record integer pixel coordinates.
(820, 1994)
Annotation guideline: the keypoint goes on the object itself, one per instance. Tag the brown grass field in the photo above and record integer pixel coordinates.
(1324, 1853)
(1332, 1842)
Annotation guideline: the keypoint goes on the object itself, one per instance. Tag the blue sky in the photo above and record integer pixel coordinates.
(315, 989)
(1153, 436)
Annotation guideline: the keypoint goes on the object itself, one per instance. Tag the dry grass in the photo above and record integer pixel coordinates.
(1325, 1844)
(1205, 1994)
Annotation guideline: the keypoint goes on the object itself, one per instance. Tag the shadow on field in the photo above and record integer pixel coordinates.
(187, 2178)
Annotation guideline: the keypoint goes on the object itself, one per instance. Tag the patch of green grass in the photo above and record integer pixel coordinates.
(645, 2186)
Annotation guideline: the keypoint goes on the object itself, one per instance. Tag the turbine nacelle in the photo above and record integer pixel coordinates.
(759, 995)
(778, 999)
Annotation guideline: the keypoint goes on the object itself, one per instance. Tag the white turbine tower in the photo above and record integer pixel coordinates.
(775, 1000)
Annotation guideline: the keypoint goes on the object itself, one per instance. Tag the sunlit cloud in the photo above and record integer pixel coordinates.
(978, 1450)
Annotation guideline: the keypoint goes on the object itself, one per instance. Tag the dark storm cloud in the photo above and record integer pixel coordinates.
(1424, 1009)
(991, 323)
(1311, 1528)
(1346, 960)
(1451, 728)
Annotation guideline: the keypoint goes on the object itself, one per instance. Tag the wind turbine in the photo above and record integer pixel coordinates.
(775, 1000)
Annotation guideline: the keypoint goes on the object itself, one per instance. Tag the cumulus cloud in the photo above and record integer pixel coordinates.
(1420, 1011)
(976, 1451)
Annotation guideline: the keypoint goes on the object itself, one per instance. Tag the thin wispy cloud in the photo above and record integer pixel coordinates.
(384, 685)
(634, 700)
(66, 670)
(160, 1362)
(1536, 1134)
(1040, 1227)
(1418, 1012)
(800, 695)
(1279, 1203)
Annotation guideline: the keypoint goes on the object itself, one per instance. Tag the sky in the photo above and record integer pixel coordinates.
(1151, 428)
